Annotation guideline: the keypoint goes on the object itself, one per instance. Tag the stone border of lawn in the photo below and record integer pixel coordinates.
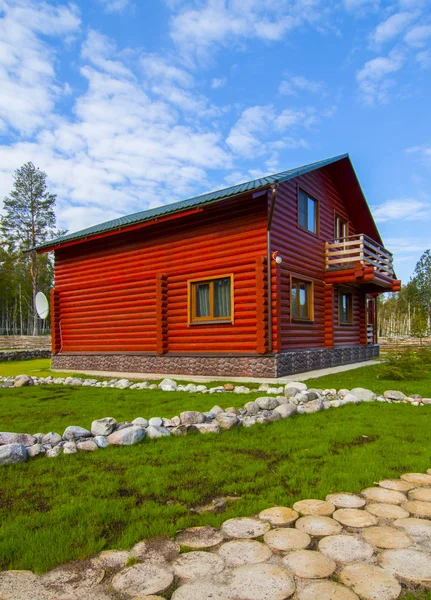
(296, 399)
(371, 545)
(25, 354)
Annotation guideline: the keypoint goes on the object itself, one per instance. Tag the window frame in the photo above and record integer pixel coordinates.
(316, 215)
(191, 301)
(350, 317)
(346, 221)
(310, 300)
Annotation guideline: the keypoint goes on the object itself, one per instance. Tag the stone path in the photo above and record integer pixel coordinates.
(369, 546)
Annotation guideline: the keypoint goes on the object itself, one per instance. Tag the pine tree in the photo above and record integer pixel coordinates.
(29, 220)
(422, 279)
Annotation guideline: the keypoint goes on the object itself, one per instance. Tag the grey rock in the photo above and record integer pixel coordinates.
(335, 403)
(127, 437)
(209, 416)
(180, 430)
(70, 448)
(154, 433)
(216, 410)
(301, 398)
(168, 423)
(232, 410)
(54, 452)
(23, 381)
(364, 394)
(327, 405)
(52, 439)
(249, 421)
(87, 446)
(191, 417)
(313, 406)
(123, 384)
(426, 400)
(267, 403)
(227, 420)
(74, 432)
(123, 425)
(12, 454)
(169, 383)
(262, 420)
(394, 395)
(343, 392)
(190, 387)
(155, 422)
(274, 416)
(286, 410)
(241, 389)
(201, 388)
(75, 381)
(351, 399)
(140, 422)
(103, 426)
(208, 428)
(311, 395)
(176, 421)
(252, 408)
(35, 450)
(291, 391)
(101, 441)
(23, 439)
(296, 384)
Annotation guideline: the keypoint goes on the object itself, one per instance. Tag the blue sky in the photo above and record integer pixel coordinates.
(128, 104)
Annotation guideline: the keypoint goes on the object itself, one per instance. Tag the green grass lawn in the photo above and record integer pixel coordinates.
(56, 510)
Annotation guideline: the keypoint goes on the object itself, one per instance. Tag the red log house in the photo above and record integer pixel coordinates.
(268, 278)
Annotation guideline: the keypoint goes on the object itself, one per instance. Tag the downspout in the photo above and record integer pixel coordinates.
(269, 274)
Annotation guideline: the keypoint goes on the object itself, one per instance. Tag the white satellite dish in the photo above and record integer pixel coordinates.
(42, 305)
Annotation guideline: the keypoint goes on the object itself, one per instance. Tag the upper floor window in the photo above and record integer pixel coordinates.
(211, 300)
(307, 211)
(302, 300)
(345, 308)
(341, 228)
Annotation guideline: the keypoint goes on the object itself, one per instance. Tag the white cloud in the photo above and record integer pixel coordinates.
(115, 6)
(158, 68)
(423, 151)
(361, 5)
(418, 36)
(218, 82)
(408, 209)
(392, 27)
(28, 84)
(298, 83)
(373, 78)
(424, 59)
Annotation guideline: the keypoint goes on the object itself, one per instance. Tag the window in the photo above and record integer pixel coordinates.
(307, 212)
(302, 300)
(211, 300)
(346, 308)
(341, 228)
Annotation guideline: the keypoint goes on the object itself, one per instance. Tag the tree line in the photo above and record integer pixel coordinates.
(29, 219)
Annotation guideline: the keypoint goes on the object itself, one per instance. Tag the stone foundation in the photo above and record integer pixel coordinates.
(276, 365)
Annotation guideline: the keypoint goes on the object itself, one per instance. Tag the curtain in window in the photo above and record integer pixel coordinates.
(203, 300)
(222, 298)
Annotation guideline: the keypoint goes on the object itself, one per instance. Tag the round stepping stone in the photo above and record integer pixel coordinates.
(345, 500)
(111, 559)
(408, 564)
(238, 552)
(318, 526)
(386, 537)
(202, 591)
(314, 507)
(387, 511)
(417, 478)
(22, 585)
(421, 494)
(285, 540)
(309, 564)
(415, 527)
(418, 509)
(326, 590)
(196, 565)
(200, 537)
(345, 548)
(142, 579)
(260, 582)
(244, 528)
(377, 494)
(279, 515)
(396, 484)
(370, 582)
(352, 517)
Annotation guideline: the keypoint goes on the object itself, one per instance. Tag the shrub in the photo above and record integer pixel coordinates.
(403, 365)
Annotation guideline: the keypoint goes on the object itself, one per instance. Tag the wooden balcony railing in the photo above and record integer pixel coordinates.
(345, 252)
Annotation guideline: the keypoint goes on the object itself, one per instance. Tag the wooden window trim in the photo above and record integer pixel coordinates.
(349, 323)
(192, 320)
(317, 219)
(338, 216)
(310, 282)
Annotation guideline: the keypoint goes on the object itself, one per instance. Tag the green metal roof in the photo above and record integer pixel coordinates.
(209, 198)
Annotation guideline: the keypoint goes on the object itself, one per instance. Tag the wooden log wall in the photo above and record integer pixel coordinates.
(303, 255)
(112, 290)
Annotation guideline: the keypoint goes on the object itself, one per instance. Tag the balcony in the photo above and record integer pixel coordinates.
(359, 259)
